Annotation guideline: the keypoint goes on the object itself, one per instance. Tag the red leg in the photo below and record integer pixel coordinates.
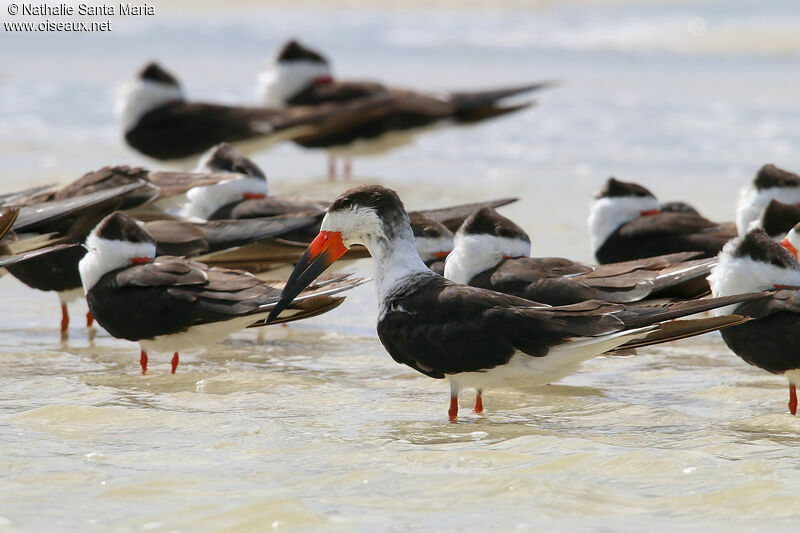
(143, 362)
(331, 168)
(64, 321)
(89, 319)
(792, 399)
(174, 362)
(478, 404)
(453, 411)
(348, 168)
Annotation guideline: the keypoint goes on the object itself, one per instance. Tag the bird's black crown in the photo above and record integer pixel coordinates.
(226, 158)
(294, 51)
(423, 226)
(487, 221)
(770, 176)
(617, 189)
(154, 72)
(120, 227)
(757, 245)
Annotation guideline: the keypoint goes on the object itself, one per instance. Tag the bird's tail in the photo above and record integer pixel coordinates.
(481, 105)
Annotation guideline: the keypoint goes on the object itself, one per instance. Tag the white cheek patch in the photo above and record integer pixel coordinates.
(735, 275)
(106, 255)
(284, 80)
(428, 246)
(202, 202)
(472, 254)
(608, 214)
(752, 203)
(138, 97)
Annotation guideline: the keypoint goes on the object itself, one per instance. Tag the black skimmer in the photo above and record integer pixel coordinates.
(300, 76)
(492, 252)
(626, 223)
(169, 304)
(63, 221)
(756, 262)
(770, 183)
(258, 204)
(160, 123)
(476, 338)
(434, 241)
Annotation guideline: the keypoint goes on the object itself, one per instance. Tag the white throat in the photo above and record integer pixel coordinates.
(282, 81)
(105, 255)
(472, 254)
(608, 214)
(752, 203)
(137, 97)
(202, 202)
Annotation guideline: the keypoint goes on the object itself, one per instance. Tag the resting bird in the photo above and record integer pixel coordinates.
(300, 76)
(770, 183)
(169, 304)
(626, 222)
(159, 122)
(754, 262)
(492, 252)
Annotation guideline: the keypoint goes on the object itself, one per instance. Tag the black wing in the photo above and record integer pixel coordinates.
(438, 327)
(322, 93)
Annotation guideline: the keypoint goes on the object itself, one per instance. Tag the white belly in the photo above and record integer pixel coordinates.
(524, 370)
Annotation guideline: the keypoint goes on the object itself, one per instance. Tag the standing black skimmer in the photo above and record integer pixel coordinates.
(169, 304)
(756, 262)
(434, 241)
(492, 252)
(159, 122)
(770, 183)
(476, 338)
(625, 223)
(300, 76)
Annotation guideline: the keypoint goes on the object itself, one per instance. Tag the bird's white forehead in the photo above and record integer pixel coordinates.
(354, 223)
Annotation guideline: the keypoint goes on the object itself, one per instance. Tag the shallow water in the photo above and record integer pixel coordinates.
(315, 427)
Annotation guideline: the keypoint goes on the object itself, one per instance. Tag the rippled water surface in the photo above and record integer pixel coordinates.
(314, 427)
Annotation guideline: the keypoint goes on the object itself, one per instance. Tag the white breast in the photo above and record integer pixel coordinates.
(284, 80)
(472, 254)
(138, 97)
(608, 214)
